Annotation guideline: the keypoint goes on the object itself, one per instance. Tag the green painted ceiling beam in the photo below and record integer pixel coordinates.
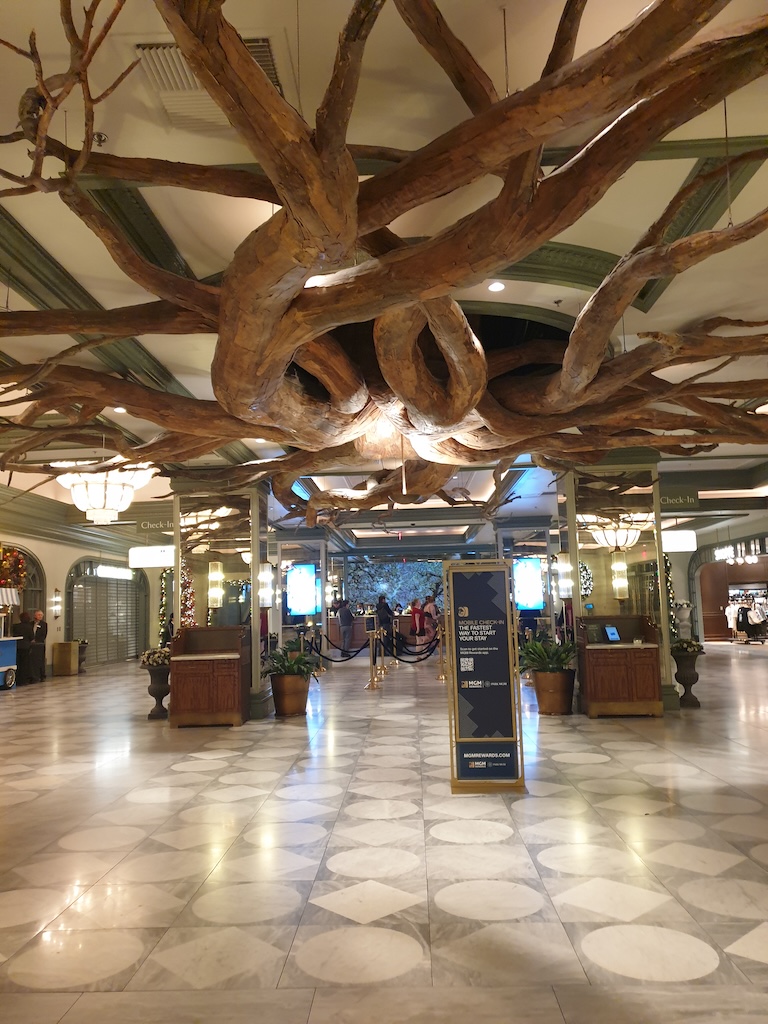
(674, 149)
(45, 284)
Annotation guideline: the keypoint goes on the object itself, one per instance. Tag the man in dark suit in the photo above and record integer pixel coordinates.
(23, 631)
(37, 651)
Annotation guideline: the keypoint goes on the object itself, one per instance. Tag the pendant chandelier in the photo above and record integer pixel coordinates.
(104, 495)
(620, 532)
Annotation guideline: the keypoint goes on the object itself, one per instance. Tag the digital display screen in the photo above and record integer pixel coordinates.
(527, 584)
(612, 633)
(302, 591)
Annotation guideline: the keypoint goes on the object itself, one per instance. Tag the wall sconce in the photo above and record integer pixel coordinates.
(266, 584)
(619, 579)
(56, 603)
(215, 584)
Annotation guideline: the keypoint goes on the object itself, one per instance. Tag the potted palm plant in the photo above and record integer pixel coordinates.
(289, 673)
(293, 646)
(552, 675)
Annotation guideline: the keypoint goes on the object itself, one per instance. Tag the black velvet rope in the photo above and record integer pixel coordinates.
(417, 656)
(315, 649)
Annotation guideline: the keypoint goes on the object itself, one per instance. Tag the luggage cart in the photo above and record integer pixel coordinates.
(7, 663)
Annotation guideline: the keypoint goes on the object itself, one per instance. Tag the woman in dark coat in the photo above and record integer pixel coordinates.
(384, 617)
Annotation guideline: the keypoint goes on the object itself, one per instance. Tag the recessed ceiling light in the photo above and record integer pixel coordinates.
(762, 409)
(259, 440)
(496, 286)
(119, 408)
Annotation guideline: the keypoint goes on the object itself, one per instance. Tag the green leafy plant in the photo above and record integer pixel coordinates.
(280, 663)
(80, 640)
(547, 656)
(155, 657)
(686, 647)
(292, 645)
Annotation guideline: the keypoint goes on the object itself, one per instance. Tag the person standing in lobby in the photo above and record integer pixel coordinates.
(346, 619)
(417, 623)
(37, 650)
(430, 618)
(23, 631)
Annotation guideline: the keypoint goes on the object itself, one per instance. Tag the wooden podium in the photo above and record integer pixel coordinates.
(210, 676)
(621, 677)
(65, 658)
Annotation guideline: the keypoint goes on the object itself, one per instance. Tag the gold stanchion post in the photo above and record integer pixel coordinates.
(441, 675)
(382, 669)
(373, 679)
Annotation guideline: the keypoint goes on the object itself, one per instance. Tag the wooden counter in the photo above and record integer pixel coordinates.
(210, 676)
(622, 678)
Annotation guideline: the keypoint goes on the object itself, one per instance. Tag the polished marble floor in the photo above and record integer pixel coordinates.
(319, 870)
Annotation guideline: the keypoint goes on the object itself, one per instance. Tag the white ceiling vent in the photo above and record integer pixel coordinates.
(184, 100)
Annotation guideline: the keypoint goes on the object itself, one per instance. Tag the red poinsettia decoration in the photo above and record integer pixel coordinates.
(13, 569)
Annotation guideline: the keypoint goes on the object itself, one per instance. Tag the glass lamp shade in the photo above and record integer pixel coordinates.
(103, 496)
(215, 584)
(622, 532)
(564, 571)
(246, 557)
(616, 537)
(266, 585)
(619, 580)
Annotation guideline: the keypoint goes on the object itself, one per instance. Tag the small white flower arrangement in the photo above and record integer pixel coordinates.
(686, 647)
(156, 657)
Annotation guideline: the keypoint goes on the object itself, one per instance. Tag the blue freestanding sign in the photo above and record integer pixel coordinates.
(485, 701)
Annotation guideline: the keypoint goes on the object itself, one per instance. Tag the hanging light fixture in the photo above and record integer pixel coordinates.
(621, 532)
(619, 579)
(246, 557)
(104, 495)
(564, 573)
(215, 584)
(266, 584)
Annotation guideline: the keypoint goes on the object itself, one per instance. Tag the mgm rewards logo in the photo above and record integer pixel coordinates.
(463, 611)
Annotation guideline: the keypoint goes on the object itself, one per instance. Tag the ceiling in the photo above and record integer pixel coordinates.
(49, 259)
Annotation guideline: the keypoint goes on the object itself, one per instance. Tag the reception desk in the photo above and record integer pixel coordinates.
(359, 635)
(401, 624)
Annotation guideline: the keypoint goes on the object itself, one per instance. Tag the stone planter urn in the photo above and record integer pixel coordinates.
(687, 676)
(159, 688)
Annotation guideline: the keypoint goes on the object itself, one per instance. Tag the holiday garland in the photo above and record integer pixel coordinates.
(163, 613)
(187, 599)
(13, 569)
(670, 596)
(586, 581)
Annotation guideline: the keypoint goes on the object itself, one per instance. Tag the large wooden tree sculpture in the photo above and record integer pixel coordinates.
(282, 368)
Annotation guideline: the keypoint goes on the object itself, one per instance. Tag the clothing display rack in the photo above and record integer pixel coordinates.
(747, 615)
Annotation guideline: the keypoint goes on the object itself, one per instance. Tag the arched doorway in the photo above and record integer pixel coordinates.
(32, 596)
(107, 606)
